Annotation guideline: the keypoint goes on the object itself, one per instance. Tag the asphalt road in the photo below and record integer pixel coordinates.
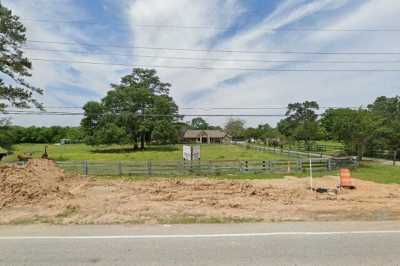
(244, 244)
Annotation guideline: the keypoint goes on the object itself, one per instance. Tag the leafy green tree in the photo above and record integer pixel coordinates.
(165, 132)
(7, 138)
(301, 122)
(251, 133)
(235, 128)
(199, 123)
(137, 106)
(14, 66)
(355, 128)
(388, 109)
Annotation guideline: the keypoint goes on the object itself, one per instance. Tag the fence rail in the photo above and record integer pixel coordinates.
(283, 151)
(174, 168)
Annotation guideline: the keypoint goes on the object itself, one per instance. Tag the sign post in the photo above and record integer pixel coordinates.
(311, 175)
(187, 153)
(191, 153)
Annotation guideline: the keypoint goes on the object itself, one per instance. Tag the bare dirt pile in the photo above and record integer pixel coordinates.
(38, 180)
(41, 192)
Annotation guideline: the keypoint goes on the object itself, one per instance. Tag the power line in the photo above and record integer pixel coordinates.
(222, 50)
(209, 27)
(212, 108)
(219, 59)
(215, 68)
(145, 115)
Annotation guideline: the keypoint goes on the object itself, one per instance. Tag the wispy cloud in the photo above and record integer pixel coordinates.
(210, 88)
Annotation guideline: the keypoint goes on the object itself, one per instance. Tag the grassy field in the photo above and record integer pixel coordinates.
(377, 172)
(368, 171)
(123, 153)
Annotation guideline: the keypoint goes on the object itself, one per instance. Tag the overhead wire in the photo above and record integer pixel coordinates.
(147, 115)
(215, 59)
(208, 27)
(213, 108)
(255, 69)
(222, 50)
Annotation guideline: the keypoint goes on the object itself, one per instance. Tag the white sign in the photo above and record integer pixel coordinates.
(187, 153)
(196, 153)
(191, 153)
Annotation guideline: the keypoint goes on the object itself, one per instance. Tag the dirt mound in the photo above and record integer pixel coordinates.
(38, 180)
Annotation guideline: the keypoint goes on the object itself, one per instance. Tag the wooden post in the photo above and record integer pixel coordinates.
(311, 175)
(85, 168)
(246, 166)
(119, 168)
(180, 166)
(149, 167)
(264, 166)
(394, 158)
(329, 164)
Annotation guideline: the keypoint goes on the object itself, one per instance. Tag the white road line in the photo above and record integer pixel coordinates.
(201, 235)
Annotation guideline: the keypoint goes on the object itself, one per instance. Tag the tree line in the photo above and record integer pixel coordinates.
(140, 110)
(10, 135)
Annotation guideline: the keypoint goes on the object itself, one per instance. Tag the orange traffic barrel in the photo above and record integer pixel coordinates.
(345, 178)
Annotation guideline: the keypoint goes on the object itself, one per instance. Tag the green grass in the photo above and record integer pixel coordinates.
(124, 153)
(224, 176)
(379, 173)
(368, 171)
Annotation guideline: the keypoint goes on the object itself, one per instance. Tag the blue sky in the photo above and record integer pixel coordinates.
(245, 26)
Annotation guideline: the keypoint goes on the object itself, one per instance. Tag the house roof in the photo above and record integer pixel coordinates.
(191, 134)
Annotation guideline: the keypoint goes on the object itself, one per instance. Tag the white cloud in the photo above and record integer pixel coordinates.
(52, 76)
(210, 88)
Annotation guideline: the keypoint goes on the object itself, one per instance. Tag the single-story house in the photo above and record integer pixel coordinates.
(206, 136)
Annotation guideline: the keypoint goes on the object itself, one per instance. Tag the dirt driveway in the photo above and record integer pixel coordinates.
(43, 193)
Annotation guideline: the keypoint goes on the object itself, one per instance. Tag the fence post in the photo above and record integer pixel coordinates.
(246, 166)
(120, 168)
(329, 164)
(149, 167)
(85, 168)
(264, 166)
(180, 165)
(301, 165)
(394, 158)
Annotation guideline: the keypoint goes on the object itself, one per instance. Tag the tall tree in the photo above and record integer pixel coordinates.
(199, 123)
(14, 89)
(356, 128)
(301, 122)
(388, 109)
(137, 106)
(235, 128)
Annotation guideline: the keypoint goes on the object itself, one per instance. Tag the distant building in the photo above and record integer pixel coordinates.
(206, 136)
(65, 141)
